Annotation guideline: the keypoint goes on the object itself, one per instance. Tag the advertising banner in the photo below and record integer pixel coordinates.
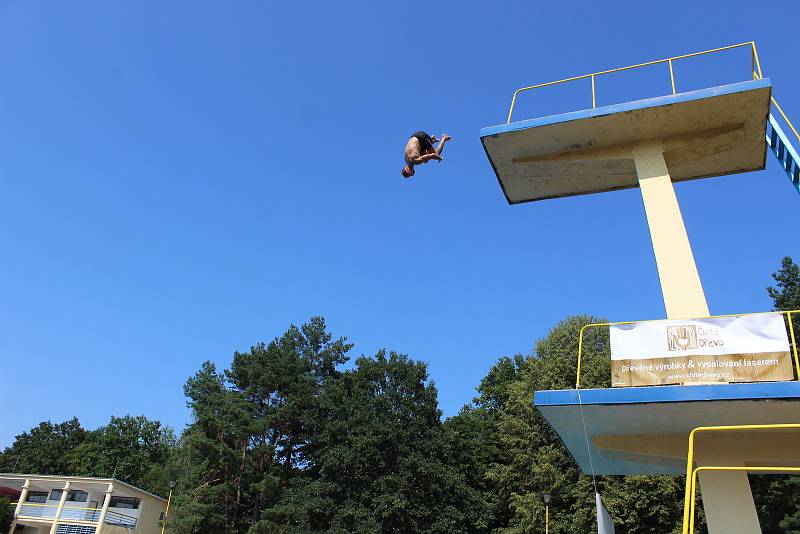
(750, 348)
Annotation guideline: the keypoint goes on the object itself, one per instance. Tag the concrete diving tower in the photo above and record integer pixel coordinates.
(650, 144)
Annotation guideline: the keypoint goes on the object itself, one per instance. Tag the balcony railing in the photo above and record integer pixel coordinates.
(116, 518)
(75, 514)
(48, 511)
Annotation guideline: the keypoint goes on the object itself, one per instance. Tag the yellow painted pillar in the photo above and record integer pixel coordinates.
(60, 508)
(101, 521)
(680, 282)
(727, 499)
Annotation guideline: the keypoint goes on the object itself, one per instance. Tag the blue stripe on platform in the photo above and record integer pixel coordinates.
(657, 394)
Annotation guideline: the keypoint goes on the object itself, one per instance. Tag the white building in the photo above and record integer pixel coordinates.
(82, 505)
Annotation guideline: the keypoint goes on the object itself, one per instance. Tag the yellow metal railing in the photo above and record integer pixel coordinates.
(757, 75)
(691, 471)
(785, 118)
(771, 469)
(596, 325)
(756, 68)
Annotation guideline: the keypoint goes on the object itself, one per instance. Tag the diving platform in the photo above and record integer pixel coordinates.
(645, 430)
(709, 132)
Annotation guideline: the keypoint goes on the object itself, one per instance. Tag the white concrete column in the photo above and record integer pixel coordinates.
(727, 499)
(22, 496)
(60, 508)
(20, 502)
(680, 282)
(101, 521)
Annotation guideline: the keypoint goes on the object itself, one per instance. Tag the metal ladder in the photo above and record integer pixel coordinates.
(783, 149)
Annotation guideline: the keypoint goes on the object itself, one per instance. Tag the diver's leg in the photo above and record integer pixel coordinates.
(440, 147)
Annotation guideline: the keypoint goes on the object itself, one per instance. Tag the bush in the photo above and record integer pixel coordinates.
(6, 515)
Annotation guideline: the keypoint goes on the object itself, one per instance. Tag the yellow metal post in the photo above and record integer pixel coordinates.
(687, 492)
(511, 109)
(580, 354)
(546, 519)
(755, 56)
(794, 346)
(166, 512)
(672, 76)
(693, 503)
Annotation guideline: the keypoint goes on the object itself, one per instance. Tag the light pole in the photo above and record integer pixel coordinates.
(546, 499)
(166, 512)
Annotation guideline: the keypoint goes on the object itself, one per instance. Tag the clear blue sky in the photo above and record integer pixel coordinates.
(180, 180)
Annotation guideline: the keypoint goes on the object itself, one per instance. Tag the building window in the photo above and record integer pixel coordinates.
(73, 495)
(131, 503)
(77, 496)
(37, 497)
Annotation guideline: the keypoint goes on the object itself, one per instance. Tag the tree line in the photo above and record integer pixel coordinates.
(292, 437)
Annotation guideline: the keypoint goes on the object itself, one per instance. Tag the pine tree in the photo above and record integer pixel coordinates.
(785, 294)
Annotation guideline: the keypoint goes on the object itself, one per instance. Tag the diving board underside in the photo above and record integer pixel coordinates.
(645, 430)
(709, 132)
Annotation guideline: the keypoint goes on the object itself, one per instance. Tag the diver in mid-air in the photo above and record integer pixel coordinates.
(419, 150)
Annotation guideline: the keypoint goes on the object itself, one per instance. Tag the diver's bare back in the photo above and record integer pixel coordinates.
(419, 150)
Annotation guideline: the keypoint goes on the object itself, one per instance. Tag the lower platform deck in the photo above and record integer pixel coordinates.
(645, 430)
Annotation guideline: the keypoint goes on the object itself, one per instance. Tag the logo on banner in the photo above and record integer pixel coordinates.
(682, 337)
